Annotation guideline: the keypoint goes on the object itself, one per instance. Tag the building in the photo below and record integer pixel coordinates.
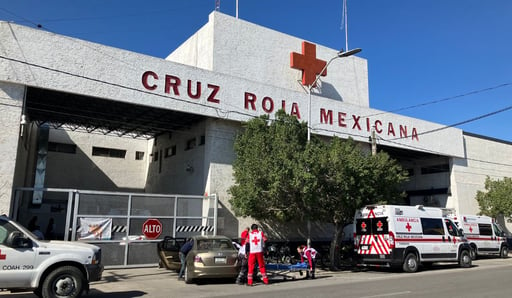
(80, 115)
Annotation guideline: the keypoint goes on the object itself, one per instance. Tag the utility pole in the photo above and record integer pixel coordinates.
(374, 142)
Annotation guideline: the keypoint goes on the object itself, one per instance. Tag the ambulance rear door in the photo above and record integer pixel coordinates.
(372, 235)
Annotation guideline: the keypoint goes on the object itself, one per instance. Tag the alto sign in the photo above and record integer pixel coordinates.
(152, 228)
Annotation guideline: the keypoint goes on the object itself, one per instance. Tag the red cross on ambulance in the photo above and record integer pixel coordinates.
(408, 227)
(379, 226)
(363, 226)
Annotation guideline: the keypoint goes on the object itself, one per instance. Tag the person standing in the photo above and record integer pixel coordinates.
(256, 238)
(243, 252)
(184, 250)
(309, 254)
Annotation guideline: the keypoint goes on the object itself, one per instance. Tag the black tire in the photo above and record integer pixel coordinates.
(410, 263)
(38, 292)
(473, 253)
(67, 281)
(465, 259)
(504, 252)
(188, 279)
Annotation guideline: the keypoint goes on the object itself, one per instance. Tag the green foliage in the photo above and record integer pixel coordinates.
(280, 176)
(497, 198)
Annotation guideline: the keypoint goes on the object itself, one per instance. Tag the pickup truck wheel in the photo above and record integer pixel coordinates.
(504, 252)
(63, 282)
(465, 259)
(410, 263)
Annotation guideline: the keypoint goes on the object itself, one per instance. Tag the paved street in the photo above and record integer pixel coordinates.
(487, 278)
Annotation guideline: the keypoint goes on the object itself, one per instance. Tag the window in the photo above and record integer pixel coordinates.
(139, 155)
(170, 151)
(191, 143)
(155, 156)
(61, 147)
(435, 169)
(432, 226)
(485, 229)
(202, 141)
(108, 152)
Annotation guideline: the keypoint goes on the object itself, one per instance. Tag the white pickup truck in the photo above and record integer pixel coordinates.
(48, 268)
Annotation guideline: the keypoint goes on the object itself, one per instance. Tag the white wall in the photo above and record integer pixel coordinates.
(11, 99)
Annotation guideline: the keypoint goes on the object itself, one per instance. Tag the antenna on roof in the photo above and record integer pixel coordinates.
(217, 5)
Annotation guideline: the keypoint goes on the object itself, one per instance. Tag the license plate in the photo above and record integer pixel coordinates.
(220, 260)
(365, 247)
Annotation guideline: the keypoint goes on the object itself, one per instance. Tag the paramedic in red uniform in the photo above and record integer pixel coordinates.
(309, 254)
(256, 239)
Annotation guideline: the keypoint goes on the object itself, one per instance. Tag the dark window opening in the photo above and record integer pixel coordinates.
(191, 144)
(170, 151)
(202, 141)
(139, 155)
(435, 169)
(108, 152)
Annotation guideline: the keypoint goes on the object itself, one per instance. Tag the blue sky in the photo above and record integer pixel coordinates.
(442, 61)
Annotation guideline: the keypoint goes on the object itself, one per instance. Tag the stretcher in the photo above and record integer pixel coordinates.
(286, 271)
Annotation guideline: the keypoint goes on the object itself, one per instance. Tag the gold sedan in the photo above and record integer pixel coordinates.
(211, 257)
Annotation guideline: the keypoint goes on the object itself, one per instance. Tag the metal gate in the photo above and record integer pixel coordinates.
(124, 243)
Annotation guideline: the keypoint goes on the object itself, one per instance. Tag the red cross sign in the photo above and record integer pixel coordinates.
(308, 63)
(379, 224)
(470, 229)
(255, 240)
(408, 227)
(363, 225)
(2, 257)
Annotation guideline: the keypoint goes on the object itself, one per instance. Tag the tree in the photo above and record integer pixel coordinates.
(281, 176)
(268, 169)
(351, 179)
(497, 198)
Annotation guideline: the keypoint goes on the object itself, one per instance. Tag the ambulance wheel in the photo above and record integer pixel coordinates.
(465, 259)
(504, 252)
(67, 281)
(472, 253)
(410, 263)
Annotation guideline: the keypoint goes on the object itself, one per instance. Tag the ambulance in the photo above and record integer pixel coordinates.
(407, 237)
(48, 268)
(484, 235)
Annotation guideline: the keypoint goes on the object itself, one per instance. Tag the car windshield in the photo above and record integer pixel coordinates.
(214, 244)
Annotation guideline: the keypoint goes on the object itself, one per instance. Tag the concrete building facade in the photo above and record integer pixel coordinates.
(144, 124)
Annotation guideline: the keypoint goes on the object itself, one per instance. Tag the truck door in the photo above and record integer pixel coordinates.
(452, 240)
(16, 257)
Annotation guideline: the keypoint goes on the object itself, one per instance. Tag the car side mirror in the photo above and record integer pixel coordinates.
(18, 240)
(461, 232)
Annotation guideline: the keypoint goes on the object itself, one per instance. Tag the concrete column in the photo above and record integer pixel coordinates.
(11, 101)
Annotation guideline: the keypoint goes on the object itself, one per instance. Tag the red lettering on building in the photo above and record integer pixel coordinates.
(295, 110)
(341, 119)
(250, 101)
(325, 116)
(214, 90)
(172, 82)
(195, 95)
(378, 126)
(391, 130)
(267, 104)
(145, 82)
(356, 122)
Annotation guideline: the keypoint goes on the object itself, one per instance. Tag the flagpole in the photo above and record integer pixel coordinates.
(237, 9)
(346, 24)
